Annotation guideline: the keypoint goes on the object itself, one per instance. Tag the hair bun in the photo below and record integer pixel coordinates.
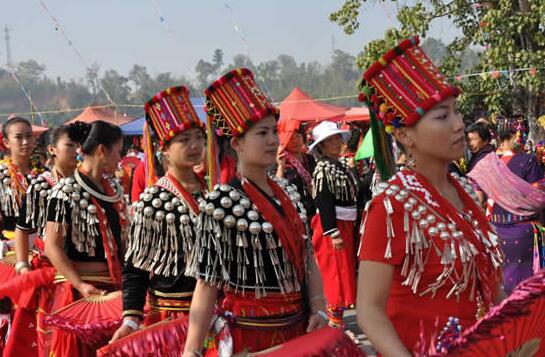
(79, 131)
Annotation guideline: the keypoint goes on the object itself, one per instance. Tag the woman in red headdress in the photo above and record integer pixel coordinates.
(163, 221)
(252, 243)
(427, 252)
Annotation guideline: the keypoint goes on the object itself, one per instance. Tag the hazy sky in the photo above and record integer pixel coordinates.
(119, 33)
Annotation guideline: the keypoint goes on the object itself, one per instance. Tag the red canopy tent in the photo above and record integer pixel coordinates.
(300, 106)
(356, 114)
(37, 130)
(91, 114)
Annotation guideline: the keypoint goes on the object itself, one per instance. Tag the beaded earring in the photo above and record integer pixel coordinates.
(411, 162)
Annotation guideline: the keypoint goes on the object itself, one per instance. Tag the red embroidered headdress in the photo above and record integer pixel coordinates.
(170, 112)
(404, 84)
(234, 102)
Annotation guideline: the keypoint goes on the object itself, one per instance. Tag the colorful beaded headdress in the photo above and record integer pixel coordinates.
(513, 124)
(170, 112)
(404, 84)
(234, 102)
(517, 125)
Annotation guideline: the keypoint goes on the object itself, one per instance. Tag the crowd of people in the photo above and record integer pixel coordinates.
(254, 231)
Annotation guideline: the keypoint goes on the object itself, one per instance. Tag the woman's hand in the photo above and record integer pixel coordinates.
(281, 157)
(87, 290)
(121, 332)
(337, 242)
(316, 322)
(119, 173)
(23, 271)
(192, 354)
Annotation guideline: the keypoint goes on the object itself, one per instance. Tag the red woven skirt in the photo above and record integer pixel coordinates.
(258, 324)
(28, 292)
(337, 267)
(163, 308)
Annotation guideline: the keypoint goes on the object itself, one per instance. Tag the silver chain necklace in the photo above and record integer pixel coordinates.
(110, 199)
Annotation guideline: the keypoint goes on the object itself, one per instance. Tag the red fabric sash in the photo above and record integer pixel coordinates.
(18, 181)
(50, 178)
(288, 226)
(187, 197)
(108, 241)
(300, 168)
(272, 305)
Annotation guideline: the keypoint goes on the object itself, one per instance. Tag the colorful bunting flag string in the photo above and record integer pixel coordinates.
(259, 78)
(71, 110)
(34, 108)
(495, 74)
(173, 36)
(162, 19)
(59, 28)
(532, 70)
(476, 6)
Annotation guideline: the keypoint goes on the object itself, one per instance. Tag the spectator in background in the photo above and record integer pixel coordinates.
(507, 187)
(478, 138)
(293, 163)
(140, 179)
(136, 151)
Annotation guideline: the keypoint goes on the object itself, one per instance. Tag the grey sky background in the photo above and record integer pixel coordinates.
(119, 33)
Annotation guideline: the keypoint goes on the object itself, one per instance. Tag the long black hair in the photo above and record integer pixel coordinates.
(72, 130)
(90, 136)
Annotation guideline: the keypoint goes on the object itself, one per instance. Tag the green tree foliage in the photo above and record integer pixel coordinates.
(206, 71)
(116, 85)
(129, 92)
(495, 36)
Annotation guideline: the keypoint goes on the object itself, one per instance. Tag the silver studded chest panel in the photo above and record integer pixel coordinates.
(237, 247)
(35, 214)
(69, 203)
(162, 232)
(11, 197)
(414, 220)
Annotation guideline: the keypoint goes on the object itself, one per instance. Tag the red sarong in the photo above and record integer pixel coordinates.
(337, 267)
(163, 308)
(258, 324)
(25, 338)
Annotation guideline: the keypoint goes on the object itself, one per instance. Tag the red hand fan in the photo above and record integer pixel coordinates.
(167, 336)
(7, 268)
(93, 319)
(324, 342)
(516, 327)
